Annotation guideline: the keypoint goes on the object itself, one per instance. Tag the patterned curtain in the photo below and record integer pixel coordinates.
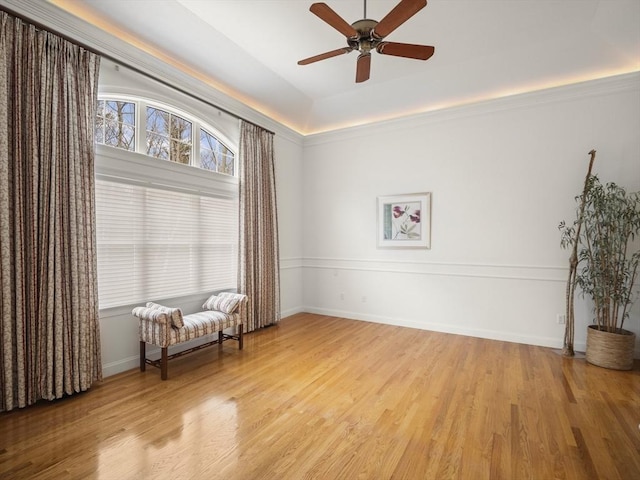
(259, 270)
(49, 330)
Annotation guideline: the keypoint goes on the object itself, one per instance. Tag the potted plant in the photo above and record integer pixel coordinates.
(603, 233)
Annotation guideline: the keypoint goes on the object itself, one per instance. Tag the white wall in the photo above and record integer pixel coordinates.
(502, 175)
(289, 193)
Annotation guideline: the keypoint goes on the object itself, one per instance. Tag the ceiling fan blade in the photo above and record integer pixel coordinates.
(323, 56)
(406, 50)
(396, 17)
(363, 68)
(324, 12)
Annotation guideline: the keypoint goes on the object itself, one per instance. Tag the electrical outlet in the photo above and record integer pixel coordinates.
(364, 299)
(561, 318)
(342, 296)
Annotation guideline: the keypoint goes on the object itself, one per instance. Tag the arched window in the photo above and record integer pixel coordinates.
(162, 132)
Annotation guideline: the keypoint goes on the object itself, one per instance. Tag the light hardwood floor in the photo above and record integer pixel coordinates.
(326, 398)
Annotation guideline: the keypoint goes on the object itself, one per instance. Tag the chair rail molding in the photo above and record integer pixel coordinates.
(290, 263)
(545, 273)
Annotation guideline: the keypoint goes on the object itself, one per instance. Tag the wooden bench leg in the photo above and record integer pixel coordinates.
(163, 363)
(143, 356)
(240, 337)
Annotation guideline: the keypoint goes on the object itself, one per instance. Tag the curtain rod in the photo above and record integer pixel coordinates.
(128, 65)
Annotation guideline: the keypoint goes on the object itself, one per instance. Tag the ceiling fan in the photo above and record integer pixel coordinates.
(366, 35)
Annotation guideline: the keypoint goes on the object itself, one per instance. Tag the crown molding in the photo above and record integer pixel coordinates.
(59, 21)
(628, 82)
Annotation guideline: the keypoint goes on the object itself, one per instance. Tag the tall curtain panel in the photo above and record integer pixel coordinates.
(49, 328)
(259, 269)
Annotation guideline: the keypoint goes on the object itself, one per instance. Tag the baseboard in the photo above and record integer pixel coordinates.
(550, 342)
(292, 311)
(443, 328)
(113, 368)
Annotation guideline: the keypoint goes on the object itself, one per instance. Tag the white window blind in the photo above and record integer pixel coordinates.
(155, 243)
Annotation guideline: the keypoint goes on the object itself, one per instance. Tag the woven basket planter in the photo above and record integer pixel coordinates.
(610, 350)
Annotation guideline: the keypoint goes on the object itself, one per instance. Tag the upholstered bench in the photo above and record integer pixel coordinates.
(166, 326)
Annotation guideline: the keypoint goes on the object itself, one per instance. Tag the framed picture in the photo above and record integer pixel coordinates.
(404, 221)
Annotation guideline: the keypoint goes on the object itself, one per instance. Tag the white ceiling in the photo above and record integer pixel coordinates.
(484, 49)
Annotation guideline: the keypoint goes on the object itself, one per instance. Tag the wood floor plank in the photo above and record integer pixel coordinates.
(320, 397)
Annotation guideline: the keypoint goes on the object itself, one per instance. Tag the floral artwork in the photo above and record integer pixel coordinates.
(403, 220)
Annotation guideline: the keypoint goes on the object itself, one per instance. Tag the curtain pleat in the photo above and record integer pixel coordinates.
(259, 266)
(49, 327)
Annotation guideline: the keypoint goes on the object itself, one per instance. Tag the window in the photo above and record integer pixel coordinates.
(165, 133)
(155, 243)
(168, 136)
(163, 230)
(214, 155)
(115, 124)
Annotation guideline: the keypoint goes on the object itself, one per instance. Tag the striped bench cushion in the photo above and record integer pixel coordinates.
(203, 323)
(155, 326)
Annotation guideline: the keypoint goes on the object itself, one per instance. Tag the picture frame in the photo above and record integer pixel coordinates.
(404, 221)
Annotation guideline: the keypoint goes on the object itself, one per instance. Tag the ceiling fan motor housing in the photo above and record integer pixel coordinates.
(366, 39)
